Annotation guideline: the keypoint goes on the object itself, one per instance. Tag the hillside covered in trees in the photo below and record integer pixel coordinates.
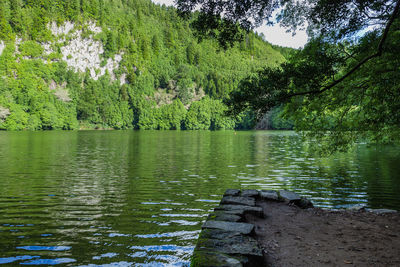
(117, 64)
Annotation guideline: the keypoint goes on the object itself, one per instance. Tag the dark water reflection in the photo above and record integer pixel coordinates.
(138, 198)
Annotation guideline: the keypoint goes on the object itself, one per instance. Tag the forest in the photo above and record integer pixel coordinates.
(165, 76)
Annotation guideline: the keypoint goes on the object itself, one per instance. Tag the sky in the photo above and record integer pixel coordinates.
(273, 34)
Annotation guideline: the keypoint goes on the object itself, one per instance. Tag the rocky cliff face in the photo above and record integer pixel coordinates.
(83, 53)
(80, 53)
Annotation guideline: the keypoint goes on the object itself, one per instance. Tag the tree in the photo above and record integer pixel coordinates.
(155, 44)
(5, 28)
(344, 84)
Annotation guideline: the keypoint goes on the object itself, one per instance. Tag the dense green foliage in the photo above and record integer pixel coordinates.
(168, 71)
(344, 84)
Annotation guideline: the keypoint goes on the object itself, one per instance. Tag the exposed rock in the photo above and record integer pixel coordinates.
(224, 216)
(4, 113)
(241, 210)
(217, 234)
(60, 91)
(18, 42)
(305, 203)
(239, 244)
(382, 211)
(83, 54)
(162, 97)
(248, 201)
(232, 240)
(2, 46)
(269, 194)
(198, 94)
(232, 192)
(53, 85)
(242, 228)
(226, 238)
(62, 29)
(250, 193)
(63, 95)
(289, 196)
(226, 242)
(47, 50)
(123, 80)
(358, 207)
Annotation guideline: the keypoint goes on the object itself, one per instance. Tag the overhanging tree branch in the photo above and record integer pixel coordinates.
(362, 62)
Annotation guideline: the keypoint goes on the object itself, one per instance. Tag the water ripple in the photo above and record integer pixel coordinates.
(49, 261)
(135, 198)
(51, 248)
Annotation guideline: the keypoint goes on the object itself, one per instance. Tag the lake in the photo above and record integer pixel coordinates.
(123, 198)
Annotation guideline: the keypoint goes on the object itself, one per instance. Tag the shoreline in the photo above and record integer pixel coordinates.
(270, 228)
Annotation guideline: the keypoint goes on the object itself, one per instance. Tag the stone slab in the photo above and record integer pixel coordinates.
(224, 216)
(250, 193)
(247, 201)
(269, 194)
(242, 228)
(289, 196)
(225, 240)
(241, 210)
(232, 192)
(217, 234)
(236, 245)
(357, 207)
(382, 211)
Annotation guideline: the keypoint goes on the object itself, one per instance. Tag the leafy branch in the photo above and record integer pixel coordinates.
(378, 53)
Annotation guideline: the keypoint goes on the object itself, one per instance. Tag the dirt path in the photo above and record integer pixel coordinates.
(291, 236)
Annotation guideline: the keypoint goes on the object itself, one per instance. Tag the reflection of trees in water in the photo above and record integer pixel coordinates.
(185, 161)
(381, 170)
(144, 185)
(364, 175)
(175, 179)
(283, 161)
(331, 182)
(70, 183)
(93, 166)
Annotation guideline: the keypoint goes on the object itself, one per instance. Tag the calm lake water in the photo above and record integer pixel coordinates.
(122, 198)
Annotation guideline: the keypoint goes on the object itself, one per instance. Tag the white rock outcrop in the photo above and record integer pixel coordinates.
(47, 50)
(60, 91)
(18, 42)
(83, 54)
(80, 53)
(123, 79)
(2, 46)
(4, 113)
(62, 29)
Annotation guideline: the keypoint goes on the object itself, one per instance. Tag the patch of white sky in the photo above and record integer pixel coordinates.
(279, 35)
(275, 34)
